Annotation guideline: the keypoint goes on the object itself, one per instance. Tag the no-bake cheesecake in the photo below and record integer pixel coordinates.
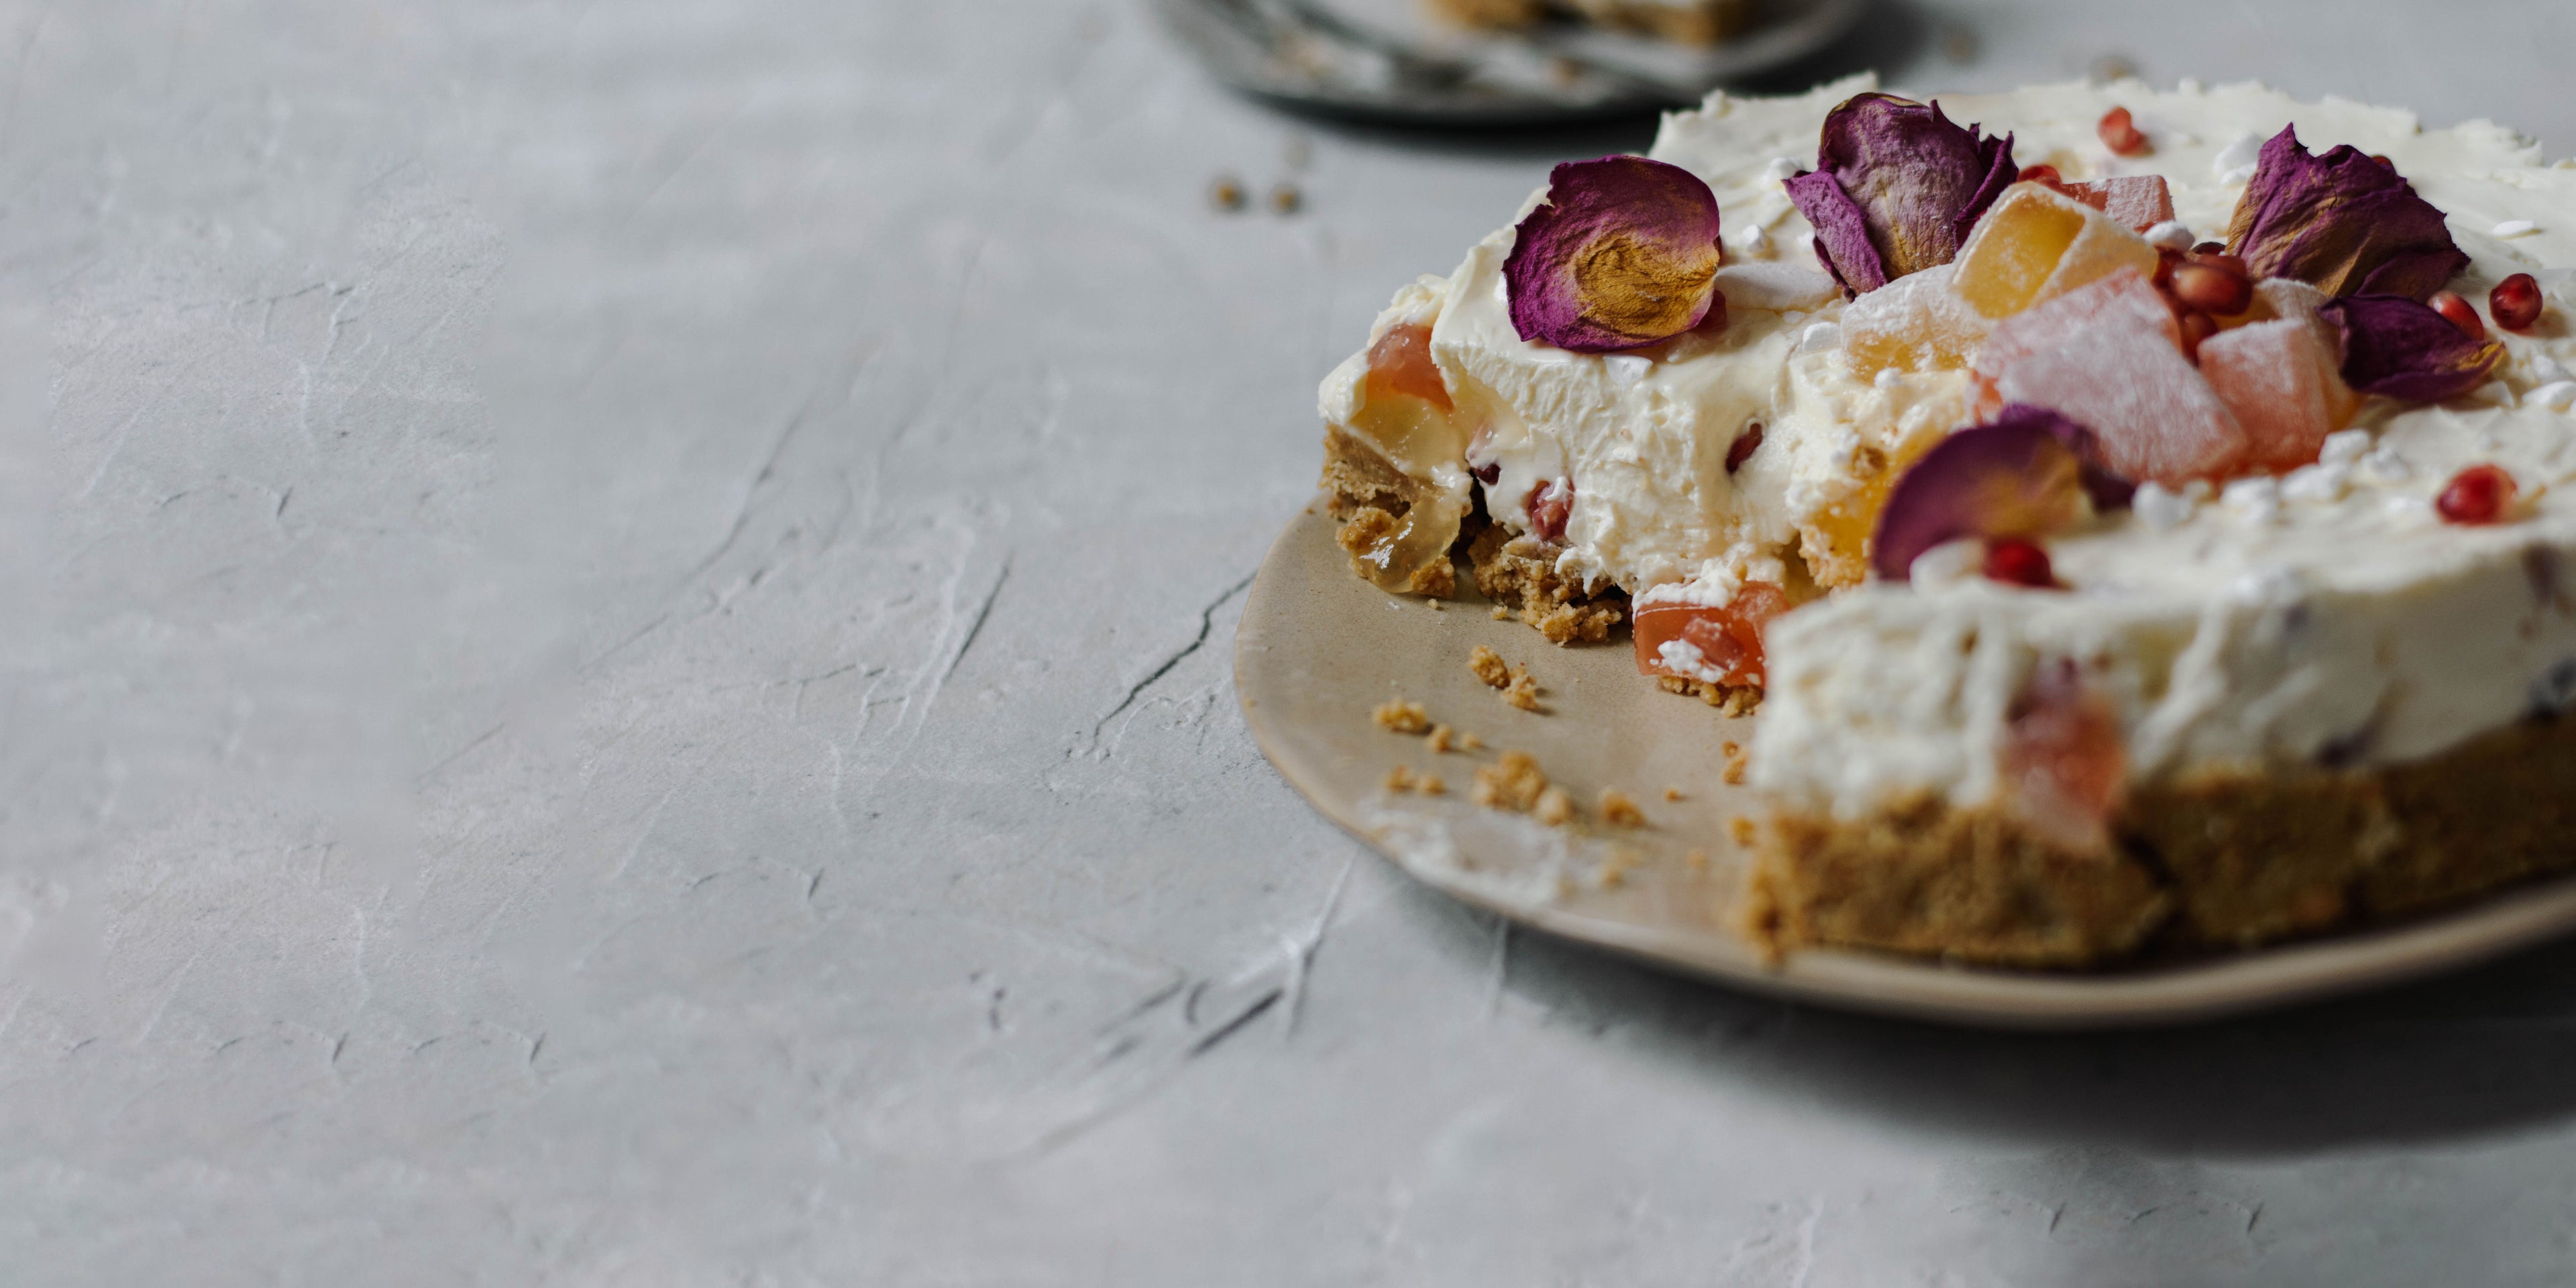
(2136, 518)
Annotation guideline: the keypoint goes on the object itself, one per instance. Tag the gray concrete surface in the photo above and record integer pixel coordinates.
(617, 675)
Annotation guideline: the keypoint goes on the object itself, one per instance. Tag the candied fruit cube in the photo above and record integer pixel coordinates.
(2280, 381)
(1400, 363)
(2063, 763)
(2120, 375)
(2126, 293)
(1915, 323)
(2135, 202)
(1714, 645)
(2037, 243)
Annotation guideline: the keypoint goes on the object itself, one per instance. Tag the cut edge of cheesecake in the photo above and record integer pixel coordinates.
(2221, 859)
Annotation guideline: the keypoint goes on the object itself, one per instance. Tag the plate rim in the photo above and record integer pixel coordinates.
(2233, 984)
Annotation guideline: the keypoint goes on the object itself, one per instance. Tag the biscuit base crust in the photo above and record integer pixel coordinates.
(2216, 861)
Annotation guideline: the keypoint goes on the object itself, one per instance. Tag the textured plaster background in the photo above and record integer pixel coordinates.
(616, 674)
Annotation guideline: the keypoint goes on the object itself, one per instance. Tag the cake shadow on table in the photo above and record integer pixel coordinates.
(2466, 1055)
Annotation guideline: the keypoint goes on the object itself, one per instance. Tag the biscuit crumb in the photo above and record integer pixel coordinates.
(1443, 737)
(1430, 785)
(1502, 614)
(1523, 693)
(1697, 859)
(1555, 808)
(1490, 667)
(1616, 865)
(1470, 742)
(1618, 810)
(1735, 759)
(1729, 699)
(1435, 605)
(1513, 783)
(1399, 779)
(1741, 828)
(1401, 716)
(1672, 793)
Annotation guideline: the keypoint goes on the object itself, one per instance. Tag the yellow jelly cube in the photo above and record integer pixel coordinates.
(2038, 243)
(1915, 323)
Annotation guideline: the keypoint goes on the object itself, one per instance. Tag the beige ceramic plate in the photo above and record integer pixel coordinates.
(1319, 649)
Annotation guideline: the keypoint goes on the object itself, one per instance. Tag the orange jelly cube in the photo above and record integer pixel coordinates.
(2037, 243)
(1714, 645)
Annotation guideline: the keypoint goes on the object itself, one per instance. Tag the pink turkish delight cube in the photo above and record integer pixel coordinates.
(2139, 202)
(2126, 294)
(2279, 378)
(2122, 376)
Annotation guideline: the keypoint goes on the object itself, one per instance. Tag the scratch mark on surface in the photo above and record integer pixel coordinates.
(2253, 1216)
(982, 612)
(461, 752)
(614, 649)
(745, 508)
(2055, 1214)
(1301, 953)
(1207, 626)
(1260, 1005)
(1807, 1243)
(697, 151)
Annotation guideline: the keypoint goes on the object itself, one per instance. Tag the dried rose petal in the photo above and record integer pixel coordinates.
(2342, 221)
(1896, 188)
(2397, 347)
(2015, 476)
(1624, 254)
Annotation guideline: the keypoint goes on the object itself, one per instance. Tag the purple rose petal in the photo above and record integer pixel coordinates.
(1842, 232)
(1624, 254)
(2019, 475)
(1897, 187)
(2341, 221)
(2402, 349)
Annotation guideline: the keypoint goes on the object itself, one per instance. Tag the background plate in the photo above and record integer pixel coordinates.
(1319, 649)
(1382, 60)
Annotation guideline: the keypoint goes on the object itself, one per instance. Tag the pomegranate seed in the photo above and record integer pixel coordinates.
(2515, 302)
(1743, 448)
(1489, 473)
(2016, 562)
(2206, 285)
(2461, 313)
(2210, 248)
(1549, 502)
(2046, 174)
(2221, 260)
(2167, 259)
(2477, 495)
(2120, 133)
(2196, 327)
(2382, 159)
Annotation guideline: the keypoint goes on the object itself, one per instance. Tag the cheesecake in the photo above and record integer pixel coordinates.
(2136, 520)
